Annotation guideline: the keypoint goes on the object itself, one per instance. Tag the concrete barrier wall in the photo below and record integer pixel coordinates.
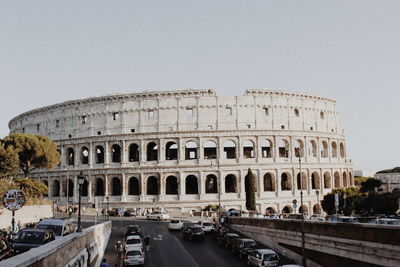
(26, 214)
(78, 249)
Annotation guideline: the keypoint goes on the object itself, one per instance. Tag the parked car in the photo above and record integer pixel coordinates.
(343, 219)
(32, 238)
(60, 227)
(243, 246)
(158, 215)
(237, 213)
(175, 224)
(133, 241)
(132, 230)
(113, 212)
(229, 238)
(133, 256)
(316, 217)
(263, 257)
(193, 232)
(130, 213)
(272, 216)
(257, 215)
(206, 226)
(386, 221)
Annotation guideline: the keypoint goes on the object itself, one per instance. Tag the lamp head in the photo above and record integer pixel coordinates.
(81, 179)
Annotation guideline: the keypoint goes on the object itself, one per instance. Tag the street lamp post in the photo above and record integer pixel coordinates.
(303, 258)
(219, 185)
(318, 207)
(81, 181)
(108, 207)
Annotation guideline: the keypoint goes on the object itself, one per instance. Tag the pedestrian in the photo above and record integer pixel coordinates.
(147, 241)
(70, 211)
(104, 263)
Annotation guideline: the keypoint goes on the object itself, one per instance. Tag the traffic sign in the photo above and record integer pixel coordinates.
(14, 200)
(294, 201)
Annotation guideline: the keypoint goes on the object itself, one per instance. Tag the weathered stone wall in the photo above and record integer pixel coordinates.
(79, 249)
(327, 244)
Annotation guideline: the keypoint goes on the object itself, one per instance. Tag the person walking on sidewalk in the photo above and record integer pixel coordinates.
(147, 241)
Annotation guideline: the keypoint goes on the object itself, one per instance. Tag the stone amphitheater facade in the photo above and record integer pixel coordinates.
(188, 149)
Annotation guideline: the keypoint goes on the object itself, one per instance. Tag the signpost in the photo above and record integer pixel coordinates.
(13, 200)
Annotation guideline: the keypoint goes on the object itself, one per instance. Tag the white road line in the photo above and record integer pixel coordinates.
(187, 253)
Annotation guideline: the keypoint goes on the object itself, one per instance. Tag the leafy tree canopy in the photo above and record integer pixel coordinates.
(370, 185)
(9, 162)
(250, 191)
(34, 151)
(394, 170)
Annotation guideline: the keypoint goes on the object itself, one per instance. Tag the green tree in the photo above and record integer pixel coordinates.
(347, 200)
(250, 190)
(370, 185)
(31, 187)
(9, 162)
(34, 151)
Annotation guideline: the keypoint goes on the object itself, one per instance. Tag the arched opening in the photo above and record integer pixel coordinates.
(99, 154)
(116, 187)
(283, 146)
(270, 210)
(303, 209)
(191, 150)
(116, 153)
(337, 179)
(298, 148)
(230, 184)
(315, 184)
(313, 149)
(133, 152)
(191, 185)
(344, 179)
(152, 186)
(171, 185)
(211, 184)
(230, 149)
(324, 151)
(334, 150)
(99, 187)
(269, 182)
(133, 186)
(46, 183)
(59, 153)
(210, 150)
(248, 149)
(85, 155)
(85, 188)
(302, 183)
(287, 209)
(286, 183)
(327, 180)
(317, 209)
(171, 151)
(70, 188)
(152, 151)
(342, 152)
(70, 156)
(56, 188)
(266, 148)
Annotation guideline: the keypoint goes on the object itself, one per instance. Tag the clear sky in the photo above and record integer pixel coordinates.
(53, 51)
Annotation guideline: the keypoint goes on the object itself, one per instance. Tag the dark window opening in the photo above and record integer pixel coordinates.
(133, 152)
(152, 152)
(116, 187)
(133, 187)
(116, 153)
(171, 185)
(99, 154)
(230, 184)
(191, 150)
(171, 151)
(99, 187)
(211, 184)
(191, 185)
(152, 186)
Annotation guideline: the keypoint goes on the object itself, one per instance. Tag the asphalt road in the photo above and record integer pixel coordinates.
(169, 249)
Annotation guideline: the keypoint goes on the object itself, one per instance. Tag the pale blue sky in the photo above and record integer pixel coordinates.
(53, 51)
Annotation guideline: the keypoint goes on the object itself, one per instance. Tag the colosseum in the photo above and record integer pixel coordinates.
(188, 149)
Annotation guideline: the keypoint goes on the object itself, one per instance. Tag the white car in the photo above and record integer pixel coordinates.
(206, 226)
(158, 215)
(133, 256)
(257, 215)
(263, 257)
(175, 224)
(133, 241)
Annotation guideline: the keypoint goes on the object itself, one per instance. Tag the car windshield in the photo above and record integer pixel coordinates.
(196, 230)
(57, 229)
(207, 224)
(271, 257)
(31, 237)
(249, 244)
(133, 241)
(174, 221)
(133, 229)
(133, 253)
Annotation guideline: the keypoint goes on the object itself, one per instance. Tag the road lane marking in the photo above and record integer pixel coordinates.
(186, 252)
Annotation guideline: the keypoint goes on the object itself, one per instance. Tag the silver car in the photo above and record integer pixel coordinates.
(263, 257)
(134, 256)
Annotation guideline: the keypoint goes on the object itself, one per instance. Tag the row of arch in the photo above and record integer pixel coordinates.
(230, 184)
(209, 150)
